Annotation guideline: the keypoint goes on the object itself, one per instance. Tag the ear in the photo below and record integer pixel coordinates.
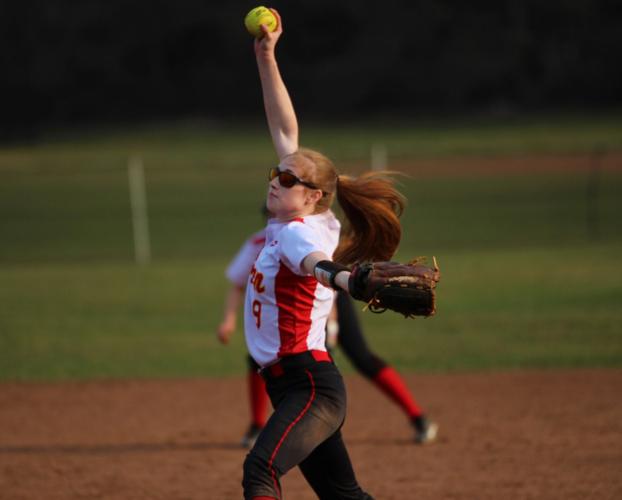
(313, 196)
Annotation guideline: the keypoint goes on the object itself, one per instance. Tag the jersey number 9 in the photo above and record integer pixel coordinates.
(257, 312)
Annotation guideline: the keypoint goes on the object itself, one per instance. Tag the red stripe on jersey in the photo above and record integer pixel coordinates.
(294, 299)
(298, 219)
(259, 241)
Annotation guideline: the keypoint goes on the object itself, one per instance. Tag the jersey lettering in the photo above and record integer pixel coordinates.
(257, 281)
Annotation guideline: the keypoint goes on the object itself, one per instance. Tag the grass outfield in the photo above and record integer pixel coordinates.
(540, 307)
(527, 283)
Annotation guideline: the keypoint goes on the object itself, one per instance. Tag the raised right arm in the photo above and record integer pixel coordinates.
(280, 112)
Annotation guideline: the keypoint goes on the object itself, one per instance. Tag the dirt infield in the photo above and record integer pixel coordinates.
(520, 435)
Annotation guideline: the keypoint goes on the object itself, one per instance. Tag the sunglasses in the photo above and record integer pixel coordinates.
(288, 180)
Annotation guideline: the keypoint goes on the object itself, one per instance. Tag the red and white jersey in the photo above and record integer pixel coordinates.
(241, 265)
(286, 309)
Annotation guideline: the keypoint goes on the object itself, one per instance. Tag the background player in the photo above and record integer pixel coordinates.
(237, 273)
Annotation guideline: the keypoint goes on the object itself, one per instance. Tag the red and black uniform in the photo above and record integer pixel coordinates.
(350, 339)
(309, 398)
(285, 320)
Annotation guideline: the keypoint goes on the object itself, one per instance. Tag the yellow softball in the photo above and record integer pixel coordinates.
(258, 16)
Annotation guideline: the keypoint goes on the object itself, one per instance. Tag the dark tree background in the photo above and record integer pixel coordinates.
(68, 62)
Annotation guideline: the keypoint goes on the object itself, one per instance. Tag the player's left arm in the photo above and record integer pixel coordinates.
(326, 271)
(405, 288)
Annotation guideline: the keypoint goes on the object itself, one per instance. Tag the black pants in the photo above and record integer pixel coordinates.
(351, 339)
(309, 401)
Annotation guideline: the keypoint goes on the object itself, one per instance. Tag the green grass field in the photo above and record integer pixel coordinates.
(526, 281)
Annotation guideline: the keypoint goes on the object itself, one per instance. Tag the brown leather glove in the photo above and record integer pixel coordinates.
(405, 288)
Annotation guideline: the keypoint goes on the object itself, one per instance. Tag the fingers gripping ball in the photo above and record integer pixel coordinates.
(409, 289)
(258, 16)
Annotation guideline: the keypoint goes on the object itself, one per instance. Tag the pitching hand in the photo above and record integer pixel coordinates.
(266, 44)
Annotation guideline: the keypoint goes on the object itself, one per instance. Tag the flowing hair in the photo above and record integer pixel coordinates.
(371, 205)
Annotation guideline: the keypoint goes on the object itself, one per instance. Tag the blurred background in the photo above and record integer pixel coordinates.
(95, 61)
(134, 155)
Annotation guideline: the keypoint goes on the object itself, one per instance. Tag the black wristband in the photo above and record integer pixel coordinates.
(326, 270)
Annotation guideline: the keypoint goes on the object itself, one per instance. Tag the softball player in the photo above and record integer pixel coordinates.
(289, 295)
(237, 273)
(343, 328)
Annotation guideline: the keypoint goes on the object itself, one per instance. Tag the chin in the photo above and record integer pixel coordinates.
(272, 204)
